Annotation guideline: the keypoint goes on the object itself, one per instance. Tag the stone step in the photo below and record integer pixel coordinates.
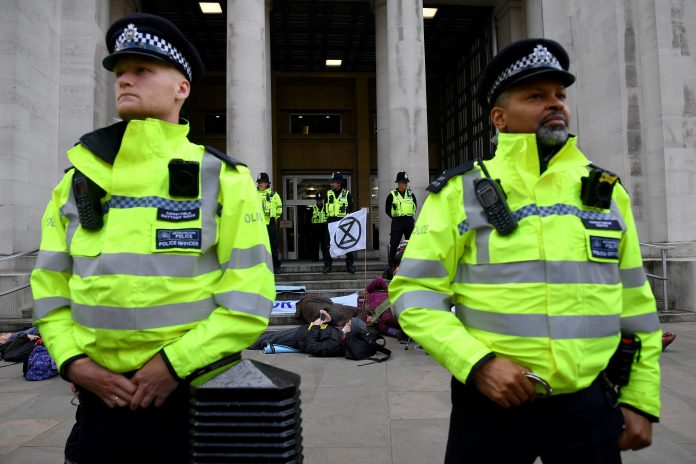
(285, 278)
(18, 264)
(13, 304)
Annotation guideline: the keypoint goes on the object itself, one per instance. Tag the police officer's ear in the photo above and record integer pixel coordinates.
(499, 118)
(183, 88)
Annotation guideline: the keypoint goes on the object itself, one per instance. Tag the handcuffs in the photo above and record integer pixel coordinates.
(542, 383)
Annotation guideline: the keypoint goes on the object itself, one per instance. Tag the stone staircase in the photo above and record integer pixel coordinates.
(309, 274)
(15, 307)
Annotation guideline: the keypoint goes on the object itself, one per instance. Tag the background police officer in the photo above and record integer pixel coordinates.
(272, 208)
(339, 204)
(320, 230)
(542, 291)
(401, 208)
(154, 264)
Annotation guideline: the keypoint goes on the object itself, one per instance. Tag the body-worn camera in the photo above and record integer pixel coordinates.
(88, 199)
(597, 188)
(183, 178)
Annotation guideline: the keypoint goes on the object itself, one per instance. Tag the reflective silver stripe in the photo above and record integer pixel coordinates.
(43, 306)
(540, 325)
(475, 216)
(69, 211)
(156, 265)
(649, 322)
(210, 190)
(551, 272)
(423, 299)
(244, 258)
(56, 261)
(422, 269)
(633, 277)
(617, 214)
(250, 303)
(153, 317)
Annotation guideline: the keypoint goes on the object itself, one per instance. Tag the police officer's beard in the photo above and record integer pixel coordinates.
(550, 139)
(551, 136)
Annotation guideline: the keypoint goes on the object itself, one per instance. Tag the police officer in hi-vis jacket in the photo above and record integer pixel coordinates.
(272, 208)
(339, 204)
(154, 265)
(524, 279)
(401, 207)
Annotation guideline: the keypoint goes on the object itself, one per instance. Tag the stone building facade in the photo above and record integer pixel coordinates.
(633, 105)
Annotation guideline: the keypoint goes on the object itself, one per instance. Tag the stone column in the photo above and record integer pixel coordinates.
(247, 97)
(408, 120)
(510, 21)
(382, 90)
(29, 118)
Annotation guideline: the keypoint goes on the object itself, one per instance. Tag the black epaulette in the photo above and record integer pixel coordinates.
(66, 170)
(105, 142)
(437, 185)
(223, 156)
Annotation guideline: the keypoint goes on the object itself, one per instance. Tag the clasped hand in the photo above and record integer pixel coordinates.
(151, 384)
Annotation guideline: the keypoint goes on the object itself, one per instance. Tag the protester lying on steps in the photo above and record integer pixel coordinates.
(321, 338)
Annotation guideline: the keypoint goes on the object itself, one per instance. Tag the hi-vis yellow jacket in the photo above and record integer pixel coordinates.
(552, 296)
(189, 276)
(270, 203)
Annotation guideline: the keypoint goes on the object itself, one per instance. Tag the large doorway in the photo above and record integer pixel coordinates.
(299, 195)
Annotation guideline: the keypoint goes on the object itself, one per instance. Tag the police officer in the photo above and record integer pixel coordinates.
(544, 273)
(339, 204)
(401, 208)
(154, 265)
(320, 230)
(272, 208)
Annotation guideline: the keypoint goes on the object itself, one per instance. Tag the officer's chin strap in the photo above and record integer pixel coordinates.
(542, 383)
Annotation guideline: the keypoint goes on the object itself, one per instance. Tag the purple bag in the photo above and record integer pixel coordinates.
(40, 365)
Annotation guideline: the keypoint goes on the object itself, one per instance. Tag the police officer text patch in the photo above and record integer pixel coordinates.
(178, 238)
(178, 216)
(604, 247)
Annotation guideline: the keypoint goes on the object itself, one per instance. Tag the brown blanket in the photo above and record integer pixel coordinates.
(308, 309)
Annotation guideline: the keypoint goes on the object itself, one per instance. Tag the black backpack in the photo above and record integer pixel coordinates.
(18, 349)
(363, 345)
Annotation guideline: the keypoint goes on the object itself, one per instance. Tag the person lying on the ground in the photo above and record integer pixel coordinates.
(378, 306)
(309, 306)
(321, 338)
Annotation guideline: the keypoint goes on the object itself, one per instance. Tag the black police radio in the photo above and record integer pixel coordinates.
(597, 188)
(88, 199)
(493, 201)
(183, 178)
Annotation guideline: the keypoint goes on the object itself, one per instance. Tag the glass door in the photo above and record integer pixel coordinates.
(299, 195)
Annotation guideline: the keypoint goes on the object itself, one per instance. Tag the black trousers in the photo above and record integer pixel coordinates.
(400, 226)
(577, 428)
(349, 256)
(321, 235)
(120, 435)
(273, 238)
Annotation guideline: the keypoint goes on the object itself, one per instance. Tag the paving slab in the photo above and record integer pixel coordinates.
(396, 412)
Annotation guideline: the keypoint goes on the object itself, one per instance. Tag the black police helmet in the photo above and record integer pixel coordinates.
(263, 177)
(155, 37)
(402, 176)
(336, 177)
(519, 61)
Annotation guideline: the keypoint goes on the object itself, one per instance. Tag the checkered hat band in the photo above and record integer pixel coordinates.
(539, 58)
(145, 41)
(558, 209)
